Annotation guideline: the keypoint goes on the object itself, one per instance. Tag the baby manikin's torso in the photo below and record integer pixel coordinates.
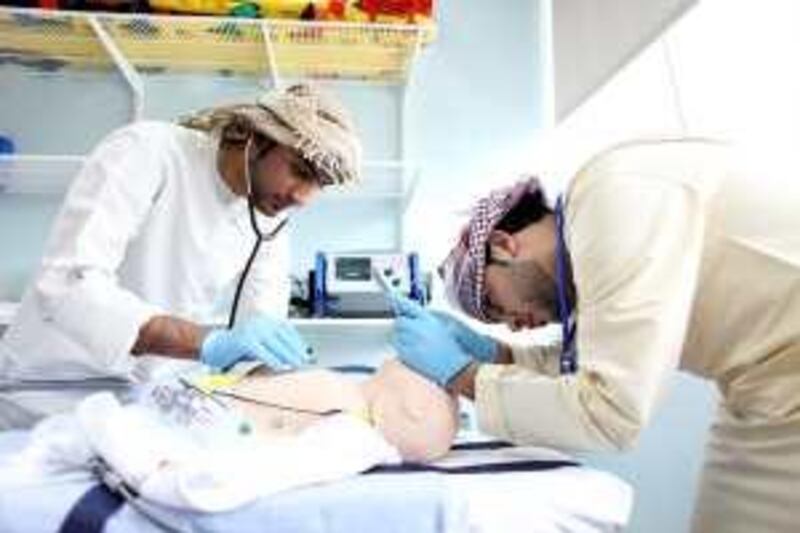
(412, 414)
(409, 412)
(285, 404)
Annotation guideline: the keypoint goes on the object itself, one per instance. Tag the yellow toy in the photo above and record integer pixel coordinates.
(383, 11)
(294, 9)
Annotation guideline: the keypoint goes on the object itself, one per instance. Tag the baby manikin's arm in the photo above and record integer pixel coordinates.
(413, 414)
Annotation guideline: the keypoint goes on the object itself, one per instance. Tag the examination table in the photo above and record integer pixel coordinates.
(481, 486)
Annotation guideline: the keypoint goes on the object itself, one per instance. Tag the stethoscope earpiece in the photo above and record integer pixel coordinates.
(248, 163)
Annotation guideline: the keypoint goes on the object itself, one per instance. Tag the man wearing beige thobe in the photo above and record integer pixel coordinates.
(662, 254)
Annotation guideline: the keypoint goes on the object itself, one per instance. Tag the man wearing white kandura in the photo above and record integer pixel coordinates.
(161, 221)
(663, 254)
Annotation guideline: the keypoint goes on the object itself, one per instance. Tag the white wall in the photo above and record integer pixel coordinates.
(475, 110)
(593, 39)
(737, 70)
(728, 68)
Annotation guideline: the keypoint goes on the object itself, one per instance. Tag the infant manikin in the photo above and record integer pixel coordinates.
(213, 442)
(413, 414)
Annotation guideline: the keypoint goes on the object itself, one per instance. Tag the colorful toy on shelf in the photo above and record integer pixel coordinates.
(370, 11)
(118, 6)
(294, 9)
(413, 11)
(382, 11)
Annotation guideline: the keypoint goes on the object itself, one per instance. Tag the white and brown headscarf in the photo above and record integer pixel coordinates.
(300, 117)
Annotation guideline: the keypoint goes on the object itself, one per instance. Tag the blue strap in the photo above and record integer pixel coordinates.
(568, 360)
(90, 513)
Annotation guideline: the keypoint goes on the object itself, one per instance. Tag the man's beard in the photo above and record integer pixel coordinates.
(535, 287)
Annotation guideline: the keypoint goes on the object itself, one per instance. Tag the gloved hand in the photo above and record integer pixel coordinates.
(482, 347)
(424, 342)
(275, 342)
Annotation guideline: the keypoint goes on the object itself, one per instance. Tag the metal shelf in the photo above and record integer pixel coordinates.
(336, 326)
(52, 174)
(337, 323)
(383, 180)
(50, 40)
(37, 174)
(328, 332)
(7, 312)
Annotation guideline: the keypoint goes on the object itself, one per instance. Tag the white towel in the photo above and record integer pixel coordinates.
(56, 450)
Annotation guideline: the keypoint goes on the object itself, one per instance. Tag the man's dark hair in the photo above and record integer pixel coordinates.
(530, 209)
(239, 132)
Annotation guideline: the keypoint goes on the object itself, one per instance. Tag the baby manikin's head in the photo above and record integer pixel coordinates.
(413, 414)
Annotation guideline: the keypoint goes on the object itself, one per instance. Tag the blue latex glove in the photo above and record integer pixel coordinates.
(275, 342)
(481, 347)
(424, 343)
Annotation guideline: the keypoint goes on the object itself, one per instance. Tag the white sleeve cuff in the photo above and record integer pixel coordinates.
(488, 403)
(542, 359)
(101, 316)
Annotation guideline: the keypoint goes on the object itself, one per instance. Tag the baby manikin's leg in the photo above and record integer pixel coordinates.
(412, 413)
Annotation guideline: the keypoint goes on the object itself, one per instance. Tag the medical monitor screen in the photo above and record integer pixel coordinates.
(353, 268)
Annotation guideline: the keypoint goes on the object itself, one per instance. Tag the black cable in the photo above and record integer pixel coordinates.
(240, 284)
(259, 239)
(258, 401)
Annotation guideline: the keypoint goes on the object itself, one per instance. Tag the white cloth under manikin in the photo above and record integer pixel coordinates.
(211, 468)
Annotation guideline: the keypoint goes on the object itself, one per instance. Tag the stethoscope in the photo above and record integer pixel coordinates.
(568, 359)
(260, 236)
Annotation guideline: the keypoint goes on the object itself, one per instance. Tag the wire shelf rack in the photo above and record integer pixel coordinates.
(50, 40)
(37, 174)
(27, 174)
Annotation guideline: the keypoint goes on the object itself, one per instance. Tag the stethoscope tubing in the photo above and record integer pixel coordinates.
(259, 235)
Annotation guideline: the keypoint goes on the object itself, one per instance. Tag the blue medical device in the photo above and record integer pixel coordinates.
(345, 284)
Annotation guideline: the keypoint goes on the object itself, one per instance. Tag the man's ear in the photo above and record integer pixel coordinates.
(504, 241)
